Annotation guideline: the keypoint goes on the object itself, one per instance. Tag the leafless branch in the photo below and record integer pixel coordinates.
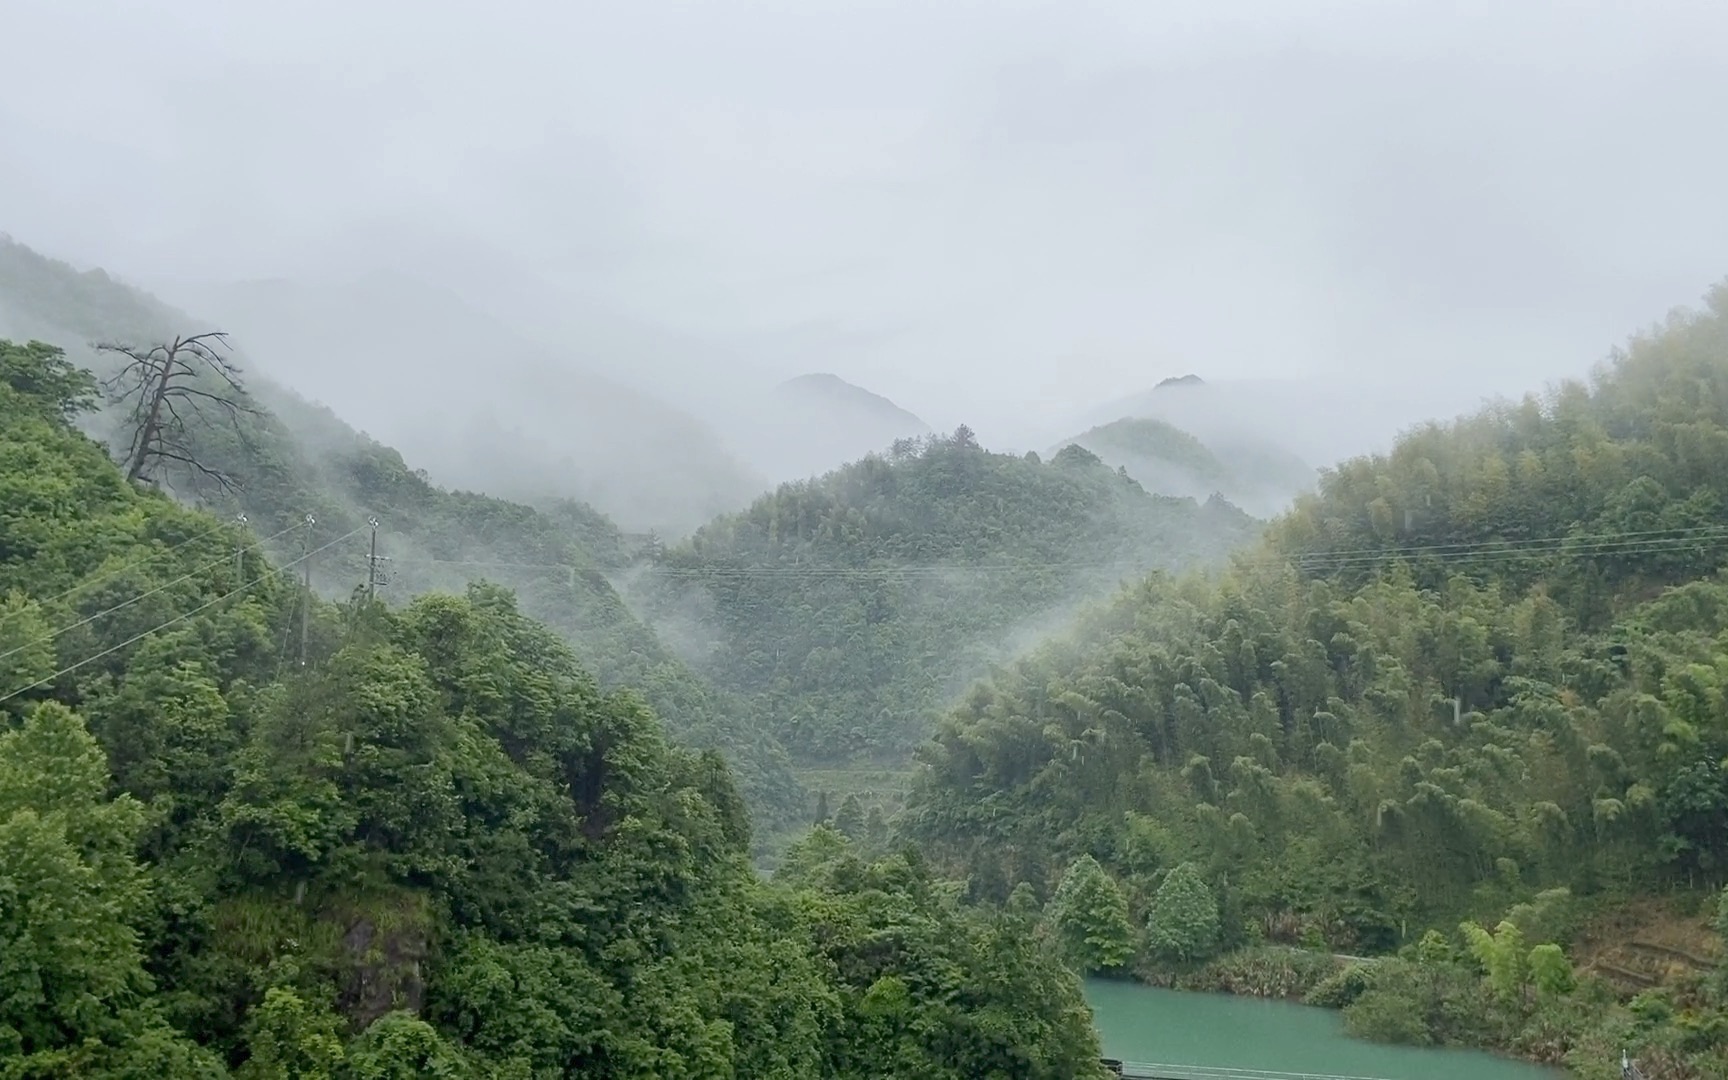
(157, 381)
(222, 480)
(233, 407)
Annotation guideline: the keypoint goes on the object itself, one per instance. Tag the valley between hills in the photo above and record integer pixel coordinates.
(620, 755)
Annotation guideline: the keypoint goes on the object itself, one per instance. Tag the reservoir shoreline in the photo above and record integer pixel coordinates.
(1144, 1023)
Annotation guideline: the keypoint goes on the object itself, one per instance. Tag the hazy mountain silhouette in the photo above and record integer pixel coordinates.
(480, 405)
(1190, 437)
(815, 423)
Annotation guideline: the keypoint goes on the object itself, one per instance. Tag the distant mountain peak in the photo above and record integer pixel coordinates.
(1180, 380)
(822, 379)
(836, 389)
(823, 382)
(816, 422)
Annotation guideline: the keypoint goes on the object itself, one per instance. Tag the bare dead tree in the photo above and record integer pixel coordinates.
(172, 390)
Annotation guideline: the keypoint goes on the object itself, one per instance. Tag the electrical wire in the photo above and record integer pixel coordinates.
(141, 596)
(133, 565)
(1567, 547)
(1624, 543)
(1513, 543)
(1570, 545)
(790, 571)
(177, 619)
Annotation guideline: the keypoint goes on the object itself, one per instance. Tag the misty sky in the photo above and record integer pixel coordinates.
(968, 206)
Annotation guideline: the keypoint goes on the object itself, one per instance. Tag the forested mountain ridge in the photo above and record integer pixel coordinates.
(422, 843)
(295, 460)
(1161, 443)
(1632, 467)
(849, 609)
(1250, 471)
(1167, 460)
(1287, 424)
(1480, 678)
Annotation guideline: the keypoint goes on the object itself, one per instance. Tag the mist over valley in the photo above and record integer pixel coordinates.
(829, 540)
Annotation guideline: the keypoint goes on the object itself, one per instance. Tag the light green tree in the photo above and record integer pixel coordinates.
(1502, 954)
(46, 380)
(26, 645)
(1551, 971)
(1183, 925)
(1434, 949)
(71, 894)
(70, 886)
(1090, 917)
(400, 1046)
(289, 1038)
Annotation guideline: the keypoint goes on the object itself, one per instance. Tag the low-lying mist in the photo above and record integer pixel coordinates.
(478, 405)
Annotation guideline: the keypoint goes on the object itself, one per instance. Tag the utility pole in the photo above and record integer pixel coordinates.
(306, 599)
(374, 575)
(240, 552)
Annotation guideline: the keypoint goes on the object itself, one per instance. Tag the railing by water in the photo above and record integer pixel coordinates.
(1142, 1070)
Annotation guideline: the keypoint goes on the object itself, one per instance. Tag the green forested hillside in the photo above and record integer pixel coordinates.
(1160, 455)
(297, 460)
(1247, 470)
(424, 843)
(1447, 748)
(849, 609)
(1598, 491)
(1481, 678)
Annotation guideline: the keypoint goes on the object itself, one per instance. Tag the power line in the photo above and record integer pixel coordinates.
(134, 564)
(845, 572)
(1528, 545)
(493, 563)
(128, 603)
(177, 619)
(1650, 541)
(1572, 546)
(1559, 539)
(1506, 557)
(795, 571)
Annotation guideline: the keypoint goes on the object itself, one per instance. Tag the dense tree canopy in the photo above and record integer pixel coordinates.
(436, 847)
(292, 460)
(1246, 466)
(1486, 664)
(850, 608)
(1468, 691)
(1089, 915)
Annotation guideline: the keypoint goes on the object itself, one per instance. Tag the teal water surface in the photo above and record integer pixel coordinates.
(1143, 1023)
